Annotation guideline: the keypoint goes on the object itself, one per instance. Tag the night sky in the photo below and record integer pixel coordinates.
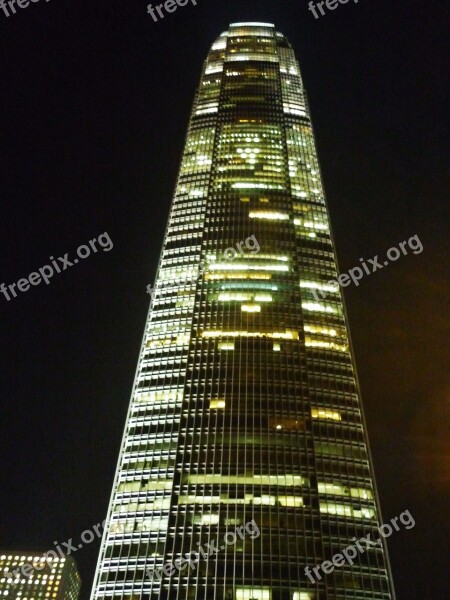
(95, 103)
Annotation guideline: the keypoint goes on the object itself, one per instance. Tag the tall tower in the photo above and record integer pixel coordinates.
(245, 445)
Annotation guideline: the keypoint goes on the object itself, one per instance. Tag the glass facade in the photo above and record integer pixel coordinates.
(245, 407)
(31, 576)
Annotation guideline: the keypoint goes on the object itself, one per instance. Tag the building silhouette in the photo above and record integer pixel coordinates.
(245, 429)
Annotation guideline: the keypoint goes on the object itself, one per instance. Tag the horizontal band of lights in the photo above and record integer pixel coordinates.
(207, 110)
(253, 56)
(241, 297)
(312, 224)
(316, 285)
(286, 335)
(262, 500)
(237, 275)
(221, 44)
(158, 504)
(248, 285)
(138, 486)
(340, 490)
(254, 479)
(345, 510)
(315, 343)
(316, 307)
(235, 266)
(326, 414)
(260, 256)
(249, 185)
(180, 340)
(214, 68)
(158, 396)
(251, 308)
(217, 403)
(226, 346)
(253, 593)
(294, 109)
(320, 330)
(269, 215)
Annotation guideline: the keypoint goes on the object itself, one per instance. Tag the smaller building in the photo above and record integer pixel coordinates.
(36, 576)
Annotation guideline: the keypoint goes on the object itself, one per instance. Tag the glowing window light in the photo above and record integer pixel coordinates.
(252, 593)
(221, 44)
(314, 343)
(302, 596)
(255, 479)
(268, 214)
(264, 500)
(226, 346)
(340, 490)
(237, 275)
(345, 510)
(251, 308)
(252, 24)
(276, 348)
(286, 335)
(235, 266)
(326, 414)
(249, 185)
(234, 297)
(198, 499)
(263, 298)
(217, 403)
(260, 256)
(209, 520)
(205, 111)
(213, 68)
(316, 307)
(319, 329)
(291, 501)
(315, 285)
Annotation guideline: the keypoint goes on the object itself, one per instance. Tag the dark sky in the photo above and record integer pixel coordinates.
(95, 102)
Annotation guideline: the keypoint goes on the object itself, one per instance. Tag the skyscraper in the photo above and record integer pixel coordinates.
(245, 411)
(30, 576)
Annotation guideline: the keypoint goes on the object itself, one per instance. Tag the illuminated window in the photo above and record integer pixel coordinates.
(269, 215)
(317, 343)
(211, 479)
(226, 346)
(346, 510)
(251, 593)
(325, 413)
(217, 403)
(340, 490)
(316, 285)
(207, 520)
(236, 266)
(320, 329)
(291, 501)
(286, 423)
(251, 308)
(316, 307)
